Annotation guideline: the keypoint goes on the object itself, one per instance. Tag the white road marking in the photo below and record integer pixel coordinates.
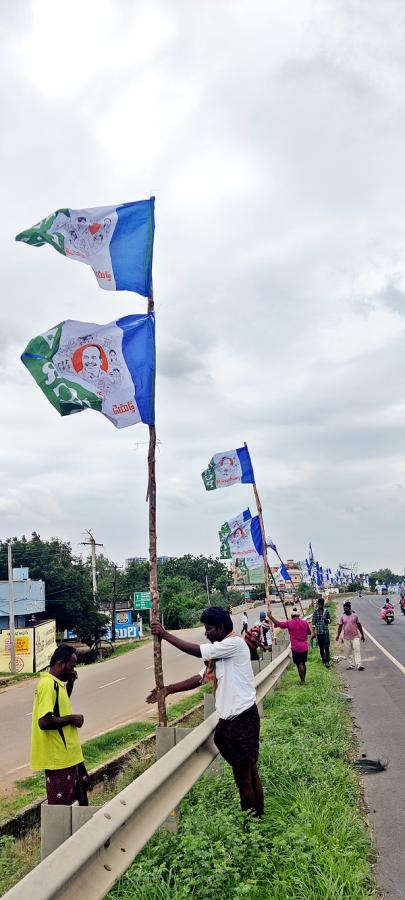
(111, 682)
(386, 652)
(180, 654)
(148, 667)
(17, 769)
(28, 714)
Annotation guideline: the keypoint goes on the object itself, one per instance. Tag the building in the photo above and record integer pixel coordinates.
(29, 599)
(144, 559)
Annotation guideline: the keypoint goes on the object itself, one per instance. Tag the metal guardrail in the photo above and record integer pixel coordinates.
(90, 862)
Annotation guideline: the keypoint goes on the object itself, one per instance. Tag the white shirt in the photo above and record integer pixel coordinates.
(244, 619)
(233, 670)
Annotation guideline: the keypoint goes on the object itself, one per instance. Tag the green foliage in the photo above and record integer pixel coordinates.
(307, 591)
(311, 843)
(197, 568)
(354, 587)
(384, 575)
(68, 589)
(68, 580)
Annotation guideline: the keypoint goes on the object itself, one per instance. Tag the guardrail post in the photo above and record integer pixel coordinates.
(209, 705)
(58, 823)
(166, 739)
(56, 827)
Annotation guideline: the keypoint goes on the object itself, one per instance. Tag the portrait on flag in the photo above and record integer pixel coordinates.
(116, 241)
(109, 368)
(228, 468)
(245, 543)
(226, 530)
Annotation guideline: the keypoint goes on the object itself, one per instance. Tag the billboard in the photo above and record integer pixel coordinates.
(45, 644)
(24, 646)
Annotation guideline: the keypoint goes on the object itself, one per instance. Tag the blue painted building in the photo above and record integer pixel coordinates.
(29, 599)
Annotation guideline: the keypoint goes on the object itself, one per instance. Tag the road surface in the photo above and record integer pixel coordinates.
(379, 711)
(109, 694)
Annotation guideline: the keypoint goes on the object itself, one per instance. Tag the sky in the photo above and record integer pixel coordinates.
(273, 137)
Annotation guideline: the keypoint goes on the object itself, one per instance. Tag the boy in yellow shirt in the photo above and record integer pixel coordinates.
(55, 744)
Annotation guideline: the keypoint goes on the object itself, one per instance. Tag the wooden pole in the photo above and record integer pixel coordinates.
(294, 594)
(153, 579)
(278, 591)
(265, 562)
(13, 667)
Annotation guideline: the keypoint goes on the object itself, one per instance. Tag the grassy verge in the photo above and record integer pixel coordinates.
(96, 751)
(311, 843)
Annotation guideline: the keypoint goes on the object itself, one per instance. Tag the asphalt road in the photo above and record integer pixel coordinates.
(108, 695)
(378, 709)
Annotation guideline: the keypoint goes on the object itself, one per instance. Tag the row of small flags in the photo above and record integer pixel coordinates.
(240, 537)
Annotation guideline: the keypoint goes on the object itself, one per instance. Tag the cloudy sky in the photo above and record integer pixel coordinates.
(273, 137)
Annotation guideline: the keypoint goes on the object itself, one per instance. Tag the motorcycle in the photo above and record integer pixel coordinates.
(402, 605)
(387, 615)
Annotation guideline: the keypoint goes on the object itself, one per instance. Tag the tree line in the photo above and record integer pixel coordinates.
(68, 584)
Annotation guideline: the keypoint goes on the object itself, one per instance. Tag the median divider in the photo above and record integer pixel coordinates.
(91, 860)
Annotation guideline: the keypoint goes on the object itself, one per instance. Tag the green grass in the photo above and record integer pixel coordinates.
(311, 844)
(96, 751)
(17, 858)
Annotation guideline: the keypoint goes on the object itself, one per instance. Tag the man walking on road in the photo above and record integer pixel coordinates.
(237, 732)
(55, 744)
(320, 630)
(244, 621)
(299, 630)
(352, 630)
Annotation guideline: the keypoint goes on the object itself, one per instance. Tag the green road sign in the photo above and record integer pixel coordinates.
(142, 600)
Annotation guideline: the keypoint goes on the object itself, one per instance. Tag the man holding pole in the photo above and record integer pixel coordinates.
(237, 732)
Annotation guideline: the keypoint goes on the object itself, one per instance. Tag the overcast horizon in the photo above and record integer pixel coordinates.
(272, 136)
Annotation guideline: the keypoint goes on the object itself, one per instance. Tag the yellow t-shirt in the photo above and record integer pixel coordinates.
(48, 749)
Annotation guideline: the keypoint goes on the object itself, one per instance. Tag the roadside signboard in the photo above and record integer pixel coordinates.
(142, 600)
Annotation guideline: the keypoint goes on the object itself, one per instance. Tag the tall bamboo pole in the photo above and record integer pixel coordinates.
(153, 580)
(278, 592)
(294, 594)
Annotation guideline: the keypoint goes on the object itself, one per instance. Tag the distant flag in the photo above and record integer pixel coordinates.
(271, 544)
(309, 567)
(303, 567)
(245, 543)
(227, 468)
(283, 572)
(109, 368)
(226, 530)
(116, 241)
(311, 555)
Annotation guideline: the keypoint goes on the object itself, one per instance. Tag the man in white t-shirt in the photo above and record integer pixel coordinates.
(228, 664)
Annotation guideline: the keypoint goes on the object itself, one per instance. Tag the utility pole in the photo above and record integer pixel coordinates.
(208, 590)
(13, 666)
(93, 544)
(114, 601)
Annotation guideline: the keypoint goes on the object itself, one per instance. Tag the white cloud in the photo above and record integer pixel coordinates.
(273, 137)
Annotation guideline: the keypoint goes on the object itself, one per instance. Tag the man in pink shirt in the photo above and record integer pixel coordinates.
(352, 629)
(299, 630)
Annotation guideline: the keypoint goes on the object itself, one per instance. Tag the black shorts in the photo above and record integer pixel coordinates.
(299, 656)
(237, 739)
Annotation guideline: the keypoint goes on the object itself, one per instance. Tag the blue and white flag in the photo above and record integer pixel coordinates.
(116, 241)
(271, 544)
(283, 573)
(319, 575)
(245, 543)
(227, 528)
(227, 468)
(305, 575)
(109, 368)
